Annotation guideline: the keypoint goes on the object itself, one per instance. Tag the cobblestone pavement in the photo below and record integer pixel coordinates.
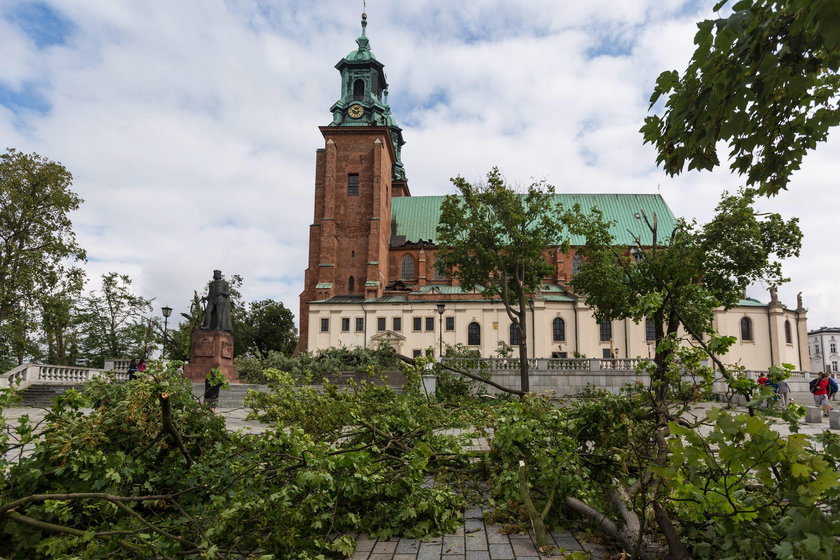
(476, 540)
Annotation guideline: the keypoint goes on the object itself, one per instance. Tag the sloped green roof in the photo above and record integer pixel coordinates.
(751, 302)
(417, 217)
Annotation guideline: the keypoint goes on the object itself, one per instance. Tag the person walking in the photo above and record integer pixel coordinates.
(141, 366)
(820, 387)
(832, 386)
(132, 370)
(783, 390)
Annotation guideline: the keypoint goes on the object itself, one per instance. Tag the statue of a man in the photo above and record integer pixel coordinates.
(217, 312)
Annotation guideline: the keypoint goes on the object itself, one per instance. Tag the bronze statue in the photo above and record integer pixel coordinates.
(217, 312)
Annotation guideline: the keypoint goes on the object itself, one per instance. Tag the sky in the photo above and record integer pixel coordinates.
(190, 127)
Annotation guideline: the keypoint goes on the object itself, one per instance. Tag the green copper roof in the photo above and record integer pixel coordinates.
(417, 217)
(363, 52)
(751, 302)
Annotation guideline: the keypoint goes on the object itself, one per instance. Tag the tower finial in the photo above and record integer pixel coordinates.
(364, 23)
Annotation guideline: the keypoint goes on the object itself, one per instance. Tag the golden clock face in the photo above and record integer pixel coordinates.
(356, 111)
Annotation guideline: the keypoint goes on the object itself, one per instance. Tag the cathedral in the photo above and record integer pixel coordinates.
(371, 278)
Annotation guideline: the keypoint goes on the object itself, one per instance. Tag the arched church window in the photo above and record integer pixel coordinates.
(558, 330)
(407, 268)
(474, 334)
(359, 90)
(351, 284)
(746, 329)
(577, 260)
(788, 335)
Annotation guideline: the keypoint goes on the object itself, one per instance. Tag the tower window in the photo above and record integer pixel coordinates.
(474, 334)
(746, 329)
(353, 184)
(407, 268)
(359, 90)
(351, 284)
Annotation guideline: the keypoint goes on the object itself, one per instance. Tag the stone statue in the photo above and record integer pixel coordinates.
(799, 300)
(217, 312)
(774, 294)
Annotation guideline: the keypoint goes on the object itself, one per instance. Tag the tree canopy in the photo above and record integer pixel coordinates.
(764, 80)
(37, 243)
(492, 239)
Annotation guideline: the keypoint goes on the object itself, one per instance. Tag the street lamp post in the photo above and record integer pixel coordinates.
(167, 311)
(440, 308)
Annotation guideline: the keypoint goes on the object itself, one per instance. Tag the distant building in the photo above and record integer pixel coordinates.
(371, 278)
(822, 347)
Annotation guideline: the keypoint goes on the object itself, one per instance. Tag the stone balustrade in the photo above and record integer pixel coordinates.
(45, 374)
(570, 376)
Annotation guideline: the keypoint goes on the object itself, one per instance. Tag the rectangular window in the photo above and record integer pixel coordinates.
(429, 352)
(833, 347)
(650, 330)
(605, 328)
(606, 353)
(397, 324)
(380, 323)
(345, 324)
(430, 323)
(416, 353)
(325, 325)
(560, 355)
(417, 323)
(834, 365)
(360, 324)
(353, 184)
(450, 323)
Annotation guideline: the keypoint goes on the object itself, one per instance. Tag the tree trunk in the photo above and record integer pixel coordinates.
(524, 382)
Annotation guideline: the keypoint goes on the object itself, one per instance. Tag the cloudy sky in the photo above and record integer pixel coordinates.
(190, 126)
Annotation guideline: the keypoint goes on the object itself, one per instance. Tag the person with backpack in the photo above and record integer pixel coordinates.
(132, 370)
(820, 387)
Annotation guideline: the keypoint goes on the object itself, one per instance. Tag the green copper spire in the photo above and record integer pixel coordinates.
(364, 95)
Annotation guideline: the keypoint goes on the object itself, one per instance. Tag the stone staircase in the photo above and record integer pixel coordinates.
(42, 395)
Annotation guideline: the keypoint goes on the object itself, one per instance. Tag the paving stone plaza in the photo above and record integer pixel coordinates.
(477, 539)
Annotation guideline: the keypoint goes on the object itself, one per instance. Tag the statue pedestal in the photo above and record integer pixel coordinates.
(211, 349)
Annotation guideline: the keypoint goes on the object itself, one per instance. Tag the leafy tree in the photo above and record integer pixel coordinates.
(37, 242)
(267, 326)
(112, 322)
(677, 283)
(57, 315)
(492, 239)
(764, 80)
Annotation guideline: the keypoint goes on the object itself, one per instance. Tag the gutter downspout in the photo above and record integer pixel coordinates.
(364, 333)
(770, 335)
(577, 334)
(533, 331)
(626, 343)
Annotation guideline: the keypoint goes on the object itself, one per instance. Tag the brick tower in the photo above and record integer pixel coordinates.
(356, 173)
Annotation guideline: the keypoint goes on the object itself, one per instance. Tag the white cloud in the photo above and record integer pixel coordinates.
(191, 126)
